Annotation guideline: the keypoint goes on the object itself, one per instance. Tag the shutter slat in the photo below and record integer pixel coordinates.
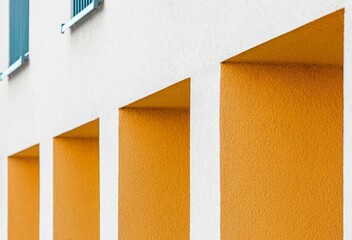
(79, 5)
(19, 29)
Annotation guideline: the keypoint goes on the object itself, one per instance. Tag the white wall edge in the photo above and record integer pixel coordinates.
(3, 197)
(46, 200)
(205, 155)
(109, 167)
(347, 125)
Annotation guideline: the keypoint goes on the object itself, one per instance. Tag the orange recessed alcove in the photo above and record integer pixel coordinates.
(23, 195)
(154, 183)
(281, 136)
(76, 183)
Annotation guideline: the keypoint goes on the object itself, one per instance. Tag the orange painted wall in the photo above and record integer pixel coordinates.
(76, 188)
(23, 198)
(281, 152)
(154, 174)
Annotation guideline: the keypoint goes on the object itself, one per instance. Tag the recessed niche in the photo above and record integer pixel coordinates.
(282, 135)
(76, 183)
(154, 145)
(23, 195)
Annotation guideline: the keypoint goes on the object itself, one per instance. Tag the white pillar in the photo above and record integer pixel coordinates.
(347, 135)
(109, 167)
(4, 29)
(46, 176)
(3, 197)
(205, 155)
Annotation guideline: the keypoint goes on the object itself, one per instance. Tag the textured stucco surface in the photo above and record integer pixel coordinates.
(23, 198)
(205, 155)
(46, 170)
(109, 172)
(127, 51)
(76, 188)
(319, 42)
(175, 96)
(154, 174)
(281, 152)
(73, 77)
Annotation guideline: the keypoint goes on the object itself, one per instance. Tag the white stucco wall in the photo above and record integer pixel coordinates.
(122, 53)
(205, 155)
(127, 50)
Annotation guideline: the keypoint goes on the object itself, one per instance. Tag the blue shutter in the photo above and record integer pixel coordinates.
(79, 5)
(19, 29)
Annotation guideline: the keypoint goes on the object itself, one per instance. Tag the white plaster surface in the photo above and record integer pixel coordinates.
(46, 200)
(347, 134)
(127, 50)
(205, 155)
(109, 172)
(3, 158)
(3, 197)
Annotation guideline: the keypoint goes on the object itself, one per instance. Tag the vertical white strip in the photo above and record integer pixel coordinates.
(347, 140)
(3, 197)
(109, 168)
(3, 160)
(46, 202)
(205, 156)
(4, 53)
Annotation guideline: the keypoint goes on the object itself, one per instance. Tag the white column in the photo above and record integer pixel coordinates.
(4, 53)
(46, 176)
(347, 135)
(109, 167)
(205, 155)
(3, 197)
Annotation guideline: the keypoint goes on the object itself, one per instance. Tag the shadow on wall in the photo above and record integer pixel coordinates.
(281, 136)
(76, 183)
(23, 195)
(154, 163)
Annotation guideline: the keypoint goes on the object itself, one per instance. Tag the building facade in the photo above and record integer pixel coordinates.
(175, 120)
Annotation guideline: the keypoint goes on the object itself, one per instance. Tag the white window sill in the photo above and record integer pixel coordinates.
(14, 67)
(80, 15)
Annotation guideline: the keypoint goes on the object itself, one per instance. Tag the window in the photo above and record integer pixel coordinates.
(19, 35)
(80, 9)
